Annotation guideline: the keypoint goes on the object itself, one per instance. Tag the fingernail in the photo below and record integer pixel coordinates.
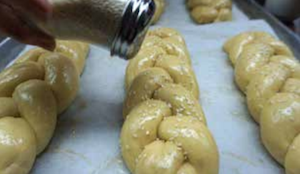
(48, 46)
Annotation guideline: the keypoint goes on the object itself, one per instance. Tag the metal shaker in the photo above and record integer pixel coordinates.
(119, 25)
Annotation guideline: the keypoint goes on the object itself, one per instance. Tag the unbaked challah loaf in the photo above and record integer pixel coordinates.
(33, 91)
(165, 128)
(160, 8)
(209, 11)
(269, 75)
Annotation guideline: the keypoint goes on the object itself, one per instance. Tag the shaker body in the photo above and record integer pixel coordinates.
(94, 21)
(120, 25)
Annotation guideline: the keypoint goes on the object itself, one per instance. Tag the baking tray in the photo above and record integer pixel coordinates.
(255, 11)
(86, 140)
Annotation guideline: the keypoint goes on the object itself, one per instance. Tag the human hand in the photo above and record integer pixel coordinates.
(12, 21)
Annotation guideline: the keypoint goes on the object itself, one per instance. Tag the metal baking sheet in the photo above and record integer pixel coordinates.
(255, 11)
(87, 135)
(86, 140)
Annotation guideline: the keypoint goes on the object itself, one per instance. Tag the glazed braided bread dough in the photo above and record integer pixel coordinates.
(209, 11)
(33, 91)
(165, 129)
(269, 75)
(160, 8)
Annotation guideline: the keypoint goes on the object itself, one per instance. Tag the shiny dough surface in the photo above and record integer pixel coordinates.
(268, 74)
(165, 129)
(33, 92)
(210, 11)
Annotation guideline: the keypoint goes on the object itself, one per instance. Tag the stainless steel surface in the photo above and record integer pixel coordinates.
(255, 11)
(287, 9)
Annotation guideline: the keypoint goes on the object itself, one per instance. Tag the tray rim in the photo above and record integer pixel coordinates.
(255, 11)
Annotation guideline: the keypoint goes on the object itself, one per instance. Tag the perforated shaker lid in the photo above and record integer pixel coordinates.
(135, 23)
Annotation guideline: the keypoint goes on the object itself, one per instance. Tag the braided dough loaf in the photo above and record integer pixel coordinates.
(269, 75)
(209, 11)
(165, 129)
(160, 8)
(33, 91)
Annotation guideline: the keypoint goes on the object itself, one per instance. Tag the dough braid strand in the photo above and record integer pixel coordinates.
(33, 91)
(209, 11)
(165, 129)
(269, 75)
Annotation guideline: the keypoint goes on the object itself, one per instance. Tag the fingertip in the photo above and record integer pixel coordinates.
(43, 41)
(49, 46)
(46, 44)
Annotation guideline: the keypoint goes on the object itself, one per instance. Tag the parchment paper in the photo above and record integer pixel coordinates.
(86, 140)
